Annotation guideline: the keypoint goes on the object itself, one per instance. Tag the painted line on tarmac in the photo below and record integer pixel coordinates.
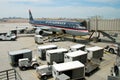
(35, 76)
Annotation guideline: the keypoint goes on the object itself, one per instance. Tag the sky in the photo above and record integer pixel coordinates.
(60, 8)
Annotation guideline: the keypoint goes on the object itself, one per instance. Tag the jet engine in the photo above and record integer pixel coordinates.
(38, 32)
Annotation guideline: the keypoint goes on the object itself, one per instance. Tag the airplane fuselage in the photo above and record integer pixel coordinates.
(67, 27)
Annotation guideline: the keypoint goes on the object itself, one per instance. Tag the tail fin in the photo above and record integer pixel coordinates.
(30, 16)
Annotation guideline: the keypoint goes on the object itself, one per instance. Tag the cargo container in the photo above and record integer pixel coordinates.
(95, 52)
(77, 47)
(76, 55)
(43, 48)
(19, 54)
(56, 55)
(75, 70)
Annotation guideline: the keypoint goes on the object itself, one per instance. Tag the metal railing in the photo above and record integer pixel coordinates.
(10, 74)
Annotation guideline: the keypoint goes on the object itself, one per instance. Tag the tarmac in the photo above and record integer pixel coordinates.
(28, 42)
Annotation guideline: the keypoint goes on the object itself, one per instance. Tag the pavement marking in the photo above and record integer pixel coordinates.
(34, 74)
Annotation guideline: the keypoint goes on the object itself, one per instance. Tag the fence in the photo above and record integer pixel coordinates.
(10, 74)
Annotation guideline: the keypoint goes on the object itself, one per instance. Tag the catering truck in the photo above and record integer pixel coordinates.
(76, 55)
(75, 70)
(23, 59)
(56, 55)
(42, 50)
(19, 54)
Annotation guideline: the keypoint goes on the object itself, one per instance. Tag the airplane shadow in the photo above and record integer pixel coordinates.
(81, 41)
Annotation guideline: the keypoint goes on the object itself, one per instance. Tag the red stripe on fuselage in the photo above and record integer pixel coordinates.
(61, 27)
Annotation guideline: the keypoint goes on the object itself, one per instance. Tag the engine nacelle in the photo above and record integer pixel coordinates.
(38, 32)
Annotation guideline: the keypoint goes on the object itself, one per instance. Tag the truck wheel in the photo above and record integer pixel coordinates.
(111, 50)
(23, 68)
(44, 78)
(35, 65)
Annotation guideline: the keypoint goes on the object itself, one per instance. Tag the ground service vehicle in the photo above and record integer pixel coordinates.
(38, 39)
(7, 36)
(75, 70)
(44, 71)
(19, 54)
(26, 63)
(112, 48)
(115, 70)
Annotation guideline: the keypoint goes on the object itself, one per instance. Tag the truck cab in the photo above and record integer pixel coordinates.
(44, 71)
(26, 63)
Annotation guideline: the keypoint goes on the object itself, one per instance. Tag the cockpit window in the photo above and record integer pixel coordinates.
(79, 26)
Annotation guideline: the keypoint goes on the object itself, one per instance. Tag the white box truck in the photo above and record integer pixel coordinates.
(95, 52)
(56, 55)
(76, 55)
(43, 48)
(19, 54)
(77, 47)
(38, 39)
(75, 70)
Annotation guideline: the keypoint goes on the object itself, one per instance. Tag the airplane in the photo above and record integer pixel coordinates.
(66, 27)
